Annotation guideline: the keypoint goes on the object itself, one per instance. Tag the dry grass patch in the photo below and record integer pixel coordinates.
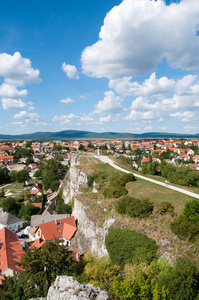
(157, 194)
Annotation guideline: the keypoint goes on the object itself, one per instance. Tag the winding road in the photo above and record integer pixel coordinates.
(107, 160)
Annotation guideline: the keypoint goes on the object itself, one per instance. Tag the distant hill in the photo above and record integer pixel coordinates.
(76, 134)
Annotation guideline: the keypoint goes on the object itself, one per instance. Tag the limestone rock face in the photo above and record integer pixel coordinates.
(68, 288)
(89, 236)
(72, 182)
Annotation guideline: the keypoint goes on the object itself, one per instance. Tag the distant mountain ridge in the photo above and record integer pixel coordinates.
(77, 134)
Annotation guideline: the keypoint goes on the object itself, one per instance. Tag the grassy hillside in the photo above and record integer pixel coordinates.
(156, 226)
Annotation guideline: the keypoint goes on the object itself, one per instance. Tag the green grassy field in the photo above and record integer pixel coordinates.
(157, 194)
(158, 178)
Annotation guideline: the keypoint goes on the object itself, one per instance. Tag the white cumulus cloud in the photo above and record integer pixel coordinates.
(67, 100)
(66, 119)
(184, 97)
(17, 123)
(30, 117)
(187, 116)
(16, 71)
(133, 40)
(10, 90)
(151, 87)
(9, 103)
(70, 70)
(105, 119)
(111, 104)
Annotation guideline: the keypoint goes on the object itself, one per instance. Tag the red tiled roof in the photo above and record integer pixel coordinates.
(39, 188)
(68, 231)
(145, 159)
(195, 157)
(37, 243)
(34, 192)
(32, 230)
(10, 251)
(36, 204)
(59, 228)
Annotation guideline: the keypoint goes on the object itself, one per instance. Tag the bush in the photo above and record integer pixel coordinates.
(165, 207)
(135, 208)
(122, 204)
(90, 180)
(142, 208)
(116, 187)
(127, 246)
(27, 211)
(63, 208)
(115, 191)
(191, 211)
(185, 229)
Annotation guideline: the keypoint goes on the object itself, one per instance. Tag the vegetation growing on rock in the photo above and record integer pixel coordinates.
(136, 208)
(127, 246)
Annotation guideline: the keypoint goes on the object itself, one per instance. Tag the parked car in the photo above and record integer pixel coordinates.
(23, 236)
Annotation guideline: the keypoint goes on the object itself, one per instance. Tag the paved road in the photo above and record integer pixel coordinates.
(106, 159)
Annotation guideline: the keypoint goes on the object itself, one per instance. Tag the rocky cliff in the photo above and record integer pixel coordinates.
(68, 288)
(89, 236)
(72, 182)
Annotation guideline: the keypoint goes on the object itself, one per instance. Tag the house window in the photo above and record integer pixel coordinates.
(60, 222)
(59, 230)
(70, 220)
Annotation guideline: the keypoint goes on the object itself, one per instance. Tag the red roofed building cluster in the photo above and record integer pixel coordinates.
(10, 253)
(63, 229)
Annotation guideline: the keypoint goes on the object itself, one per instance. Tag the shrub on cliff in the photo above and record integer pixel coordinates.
(185, 229)
(116, 187)
(165, 207)
(127, 246)
(136, 208)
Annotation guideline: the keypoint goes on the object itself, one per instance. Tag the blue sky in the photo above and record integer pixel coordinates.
(124, 66)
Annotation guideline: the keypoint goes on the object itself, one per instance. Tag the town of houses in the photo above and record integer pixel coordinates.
(47, 225)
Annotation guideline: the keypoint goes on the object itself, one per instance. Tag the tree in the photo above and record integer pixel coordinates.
(144, 169)
(26, 195)
(53, 171)
(23, 176)
(191, 211)
(81, 147)
(27, 211)
(153, 168)
(29, 160)
(13, 175)
(11, 206)
(37, 174)
(3, 176)
(28, 144)
(2, 193)
(41, 267)
(63, 208)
